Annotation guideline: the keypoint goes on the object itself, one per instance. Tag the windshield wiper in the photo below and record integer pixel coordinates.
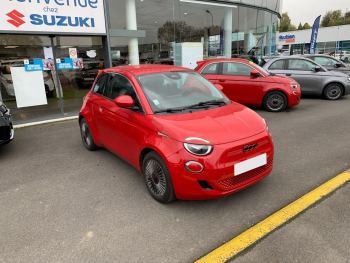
(206, 104)
(174, 110)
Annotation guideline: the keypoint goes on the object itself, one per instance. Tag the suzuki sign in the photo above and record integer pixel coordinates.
(53, 16)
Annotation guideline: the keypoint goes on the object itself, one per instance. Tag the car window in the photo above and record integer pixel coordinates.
(211, 69)
(279, 64)
(300, 64)
(101, 84)
(236, 69)
(119, 85)
(325, 61)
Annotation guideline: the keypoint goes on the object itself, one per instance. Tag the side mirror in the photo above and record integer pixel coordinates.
(338, 65)
(317, 69)
(219, 87)
(255, 74)
(124, 101)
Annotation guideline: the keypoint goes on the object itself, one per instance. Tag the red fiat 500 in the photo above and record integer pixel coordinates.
(247, 83)
(187, 139)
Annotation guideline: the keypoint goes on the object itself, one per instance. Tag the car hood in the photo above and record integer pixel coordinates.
(219, 125)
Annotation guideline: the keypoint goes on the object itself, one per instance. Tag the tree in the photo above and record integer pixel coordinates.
(306, 26)
(300, 27)
(285, 23)
(347, 18)
(333, 18)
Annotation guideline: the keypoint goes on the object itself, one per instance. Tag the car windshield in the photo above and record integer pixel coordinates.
(170, 92)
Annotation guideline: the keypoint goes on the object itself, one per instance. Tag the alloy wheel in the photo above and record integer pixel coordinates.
(155, 178)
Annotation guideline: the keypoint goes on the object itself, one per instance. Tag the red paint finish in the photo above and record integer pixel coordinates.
(249, 89)
(228, 129)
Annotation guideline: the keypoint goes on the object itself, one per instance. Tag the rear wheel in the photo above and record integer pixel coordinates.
(157, 178)
(275, 101)
(333, 91)
(86, 136)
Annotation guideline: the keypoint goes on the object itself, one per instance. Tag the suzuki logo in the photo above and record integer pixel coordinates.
(251, 147)
(16, 18)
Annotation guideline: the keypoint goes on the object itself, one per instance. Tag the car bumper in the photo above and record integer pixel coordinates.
(347, 90)
(217, 179)
(294, 98)
(6, 130)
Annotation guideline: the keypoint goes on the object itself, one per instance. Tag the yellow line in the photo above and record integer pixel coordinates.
(263, 228)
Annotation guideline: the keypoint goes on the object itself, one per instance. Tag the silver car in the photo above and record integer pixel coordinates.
(330, 63)
(313, 78)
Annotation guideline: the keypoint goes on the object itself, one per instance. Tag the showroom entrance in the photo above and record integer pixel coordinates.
(30, 84)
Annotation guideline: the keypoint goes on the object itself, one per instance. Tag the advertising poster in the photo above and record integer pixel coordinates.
(64, 63)
(35, 64)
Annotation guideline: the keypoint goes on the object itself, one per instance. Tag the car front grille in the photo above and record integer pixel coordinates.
(233, 182)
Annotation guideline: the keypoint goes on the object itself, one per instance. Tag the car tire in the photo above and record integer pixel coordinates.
(86, 136)
(275, 101)
(333, 91)
(346, 60)
(157, 178)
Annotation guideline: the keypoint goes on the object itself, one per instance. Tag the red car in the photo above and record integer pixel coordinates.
(248, 84)
(183, 134)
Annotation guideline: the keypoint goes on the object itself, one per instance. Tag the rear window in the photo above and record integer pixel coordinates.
(279, 64)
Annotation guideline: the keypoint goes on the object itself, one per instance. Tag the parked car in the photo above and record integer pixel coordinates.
(248, 84)
(313, 78)
(330, 63)
(6, 128)
(85, 77)
(6, 77)
(344, 56)
(186, 137)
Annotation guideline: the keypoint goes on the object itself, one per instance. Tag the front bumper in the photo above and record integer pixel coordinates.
(6, 130)
(217, 179)
(347, 89)
(294, 98)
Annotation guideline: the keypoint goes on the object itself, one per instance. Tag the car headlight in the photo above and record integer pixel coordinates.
(198, 149)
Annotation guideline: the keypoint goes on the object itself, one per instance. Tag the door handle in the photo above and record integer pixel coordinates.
(222, 80)
(100, 109)
(289, 74)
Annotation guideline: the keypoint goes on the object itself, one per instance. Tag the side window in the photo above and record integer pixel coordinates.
(101, 84)
(211, 69)
(300, 64)
(325, 61)
(278, 65)
(119, 86)
(236, 69)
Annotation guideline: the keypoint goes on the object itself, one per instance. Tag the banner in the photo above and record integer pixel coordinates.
(314, 35)
(53, 16)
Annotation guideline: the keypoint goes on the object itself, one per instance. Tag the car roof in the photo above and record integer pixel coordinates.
(145, 69)
(211, 60)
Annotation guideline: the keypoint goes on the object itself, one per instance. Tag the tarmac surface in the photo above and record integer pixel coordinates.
(61, 203)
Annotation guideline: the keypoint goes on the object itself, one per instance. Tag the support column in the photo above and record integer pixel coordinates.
(228, 32)
(131, 24)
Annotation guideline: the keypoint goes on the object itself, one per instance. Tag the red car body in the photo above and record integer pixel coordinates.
(235, 132)
(251, 86)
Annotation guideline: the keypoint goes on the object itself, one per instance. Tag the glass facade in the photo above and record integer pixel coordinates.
(179, 32)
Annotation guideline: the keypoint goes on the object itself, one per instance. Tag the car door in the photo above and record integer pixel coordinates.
(121, 128)
(332, 64)
(211, 72)
(305, 73)
(238, 84)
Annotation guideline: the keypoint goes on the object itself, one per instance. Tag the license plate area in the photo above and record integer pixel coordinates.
(250, 164)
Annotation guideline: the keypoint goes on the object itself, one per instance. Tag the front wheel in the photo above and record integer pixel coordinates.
(275, 101)
(157, 178)
(86, 136)
(333, 91)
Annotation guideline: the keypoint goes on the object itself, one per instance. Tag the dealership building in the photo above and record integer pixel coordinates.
(330, 40)
(51, 50)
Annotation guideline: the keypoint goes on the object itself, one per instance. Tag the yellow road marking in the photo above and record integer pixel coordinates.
(263, 228)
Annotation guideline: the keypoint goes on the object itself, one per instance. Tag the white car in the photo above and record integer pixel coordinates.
(344, 56)
(7, 83)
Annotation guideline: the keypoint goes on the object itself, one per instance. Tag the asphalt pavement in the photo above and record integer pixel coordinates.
(61, 203)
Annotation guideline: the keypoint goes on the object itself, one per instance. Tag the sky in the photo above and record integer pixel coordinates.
(307, 10)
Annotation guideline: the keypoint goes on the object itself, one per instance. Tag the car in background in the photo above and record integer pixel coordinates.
(247, 83)
(313, 78)
(330, 63)
(6, 77)
(186, 137)
(6, 128)
(85, 77)
(344, 56)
